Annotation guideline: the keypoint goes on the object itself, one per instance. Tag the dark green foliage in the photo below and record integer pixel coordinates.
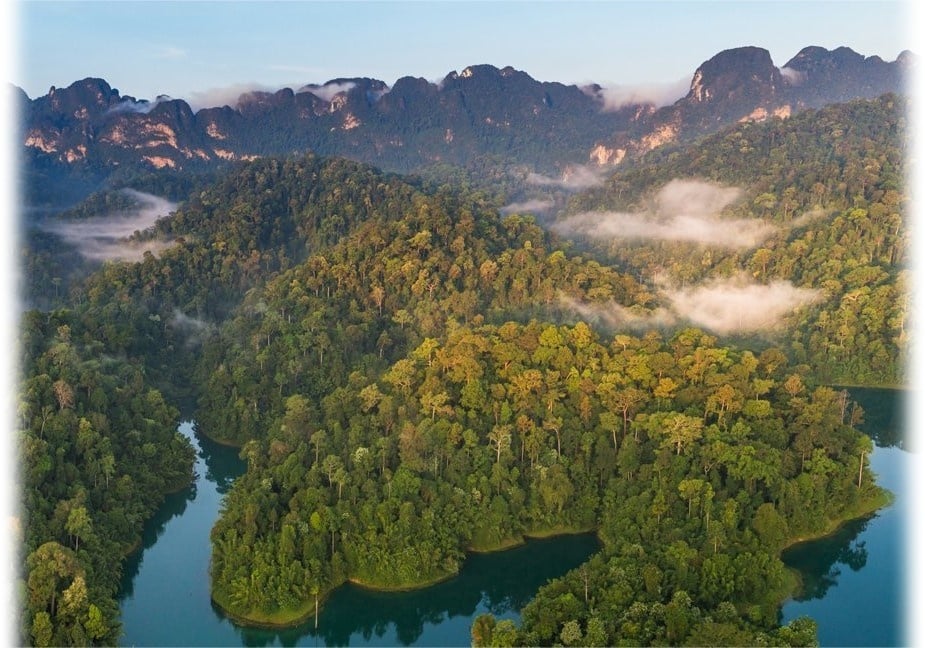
(832, 182)
(496, 432)
(99, 451)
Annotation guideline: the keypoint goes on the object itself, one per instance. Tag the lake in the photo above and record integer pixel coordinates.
(853, 585)
(853, 580)
(165, 599)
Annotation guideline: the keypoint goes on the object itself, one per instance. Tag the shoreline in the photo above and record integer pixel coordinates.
(282, 620)
(353, 580)
(892, 387)
(220, 441)
(138, 543)
(273, 622)
(789, 589)
(865, 509)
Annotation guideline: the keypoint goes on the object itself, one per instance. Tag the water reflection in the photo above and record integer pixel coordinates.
(818, 562)
(884, 415)
(165, 587)
(174, 506)
(855, 574)
(500, 583)
(221, 463)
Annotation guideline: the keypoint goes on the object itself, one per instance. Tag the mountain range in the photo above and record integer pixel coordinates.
(89, 129)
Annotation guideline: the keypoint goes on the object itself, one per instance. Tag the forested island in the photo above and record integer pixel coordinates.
(413, 372)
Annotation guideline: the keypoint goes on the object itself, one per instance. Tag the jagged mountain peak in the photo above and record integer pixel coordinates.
(820, 76)
(88, 96)
(735, 73)
(482, 110)
(485, 71)
(814, 56)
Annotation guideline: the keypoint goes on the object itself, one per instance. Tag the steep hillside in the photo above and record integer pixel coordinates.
(817, 201)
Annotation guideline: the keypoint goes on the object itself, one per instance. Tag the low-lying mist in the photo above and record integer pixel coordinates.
(107, 238)
(224, 96)
(532, 206)
(722, 306)
(329, 90)
(738, 306)
(196, 329)
(574, 178)
(142, 106)
(683, 210)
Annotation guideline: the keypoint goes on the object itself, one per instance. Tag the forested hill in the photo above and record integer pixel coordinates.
(318, 234)
(816, 202)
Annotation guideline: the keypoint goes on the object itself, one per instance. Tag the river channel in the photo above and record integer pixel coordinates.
(849, 578)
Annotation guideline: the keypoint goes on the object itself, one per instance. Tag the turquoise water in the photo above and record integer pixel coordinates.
(166, 602)
(854, 580)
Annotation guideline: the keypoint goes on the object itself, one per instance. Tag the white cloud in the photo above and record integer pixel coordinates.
(722, 306)
(616, 316)
(107, 238)
(574, 178)
(143, 106)
(795, 77)
(738, 306)
(657, 94)
(534, 205)
(683, 210)
(225, 95)
(329, 90)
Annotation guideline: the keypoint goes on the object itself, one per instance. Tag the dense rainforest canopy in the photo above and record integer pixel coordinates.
(409, 379)
(829, 184)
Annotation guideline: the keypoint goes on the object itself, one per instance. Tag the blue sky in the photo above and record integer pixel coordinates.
(182, 48)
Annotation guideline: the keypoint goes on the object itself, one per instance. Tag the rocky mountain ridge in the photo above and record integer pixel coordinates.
(90, 128)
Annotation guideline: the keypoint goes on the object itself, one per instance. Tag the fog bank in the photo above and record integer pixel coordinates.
(106, 238)
(574, 178)
(739, 306)
(532, 206)
(722, 306)
(682, 210)
(616, 97)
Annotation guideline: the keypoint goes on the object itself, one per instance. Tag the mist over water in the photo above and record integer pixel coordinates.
(108, 238)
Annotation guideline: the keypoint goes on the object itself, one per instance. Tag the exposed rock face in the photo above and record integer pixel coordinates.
(89, 127)
(743, 84)
(817, 76)
(738, 77)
